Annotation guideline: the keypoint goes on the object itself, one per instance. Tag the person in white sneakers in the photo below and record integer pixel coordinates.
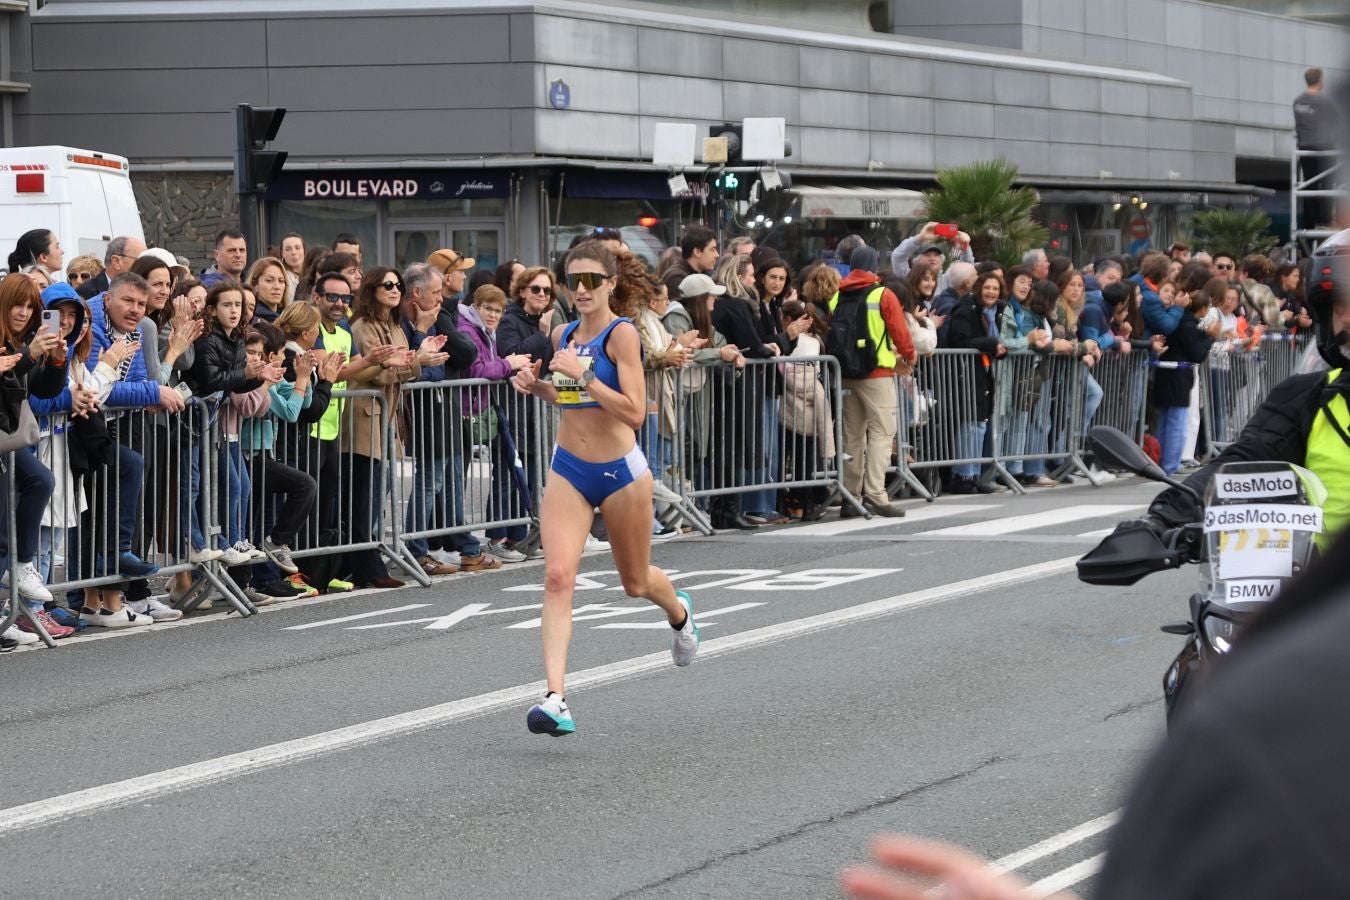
(598, 382)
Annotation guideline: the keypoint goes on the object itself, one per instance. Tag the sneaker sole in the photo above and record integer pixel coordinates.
(539, 721)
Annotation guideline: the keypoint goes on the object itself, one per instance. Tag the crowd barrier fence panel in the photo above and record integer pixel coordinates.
(753, 430)
(474, 454)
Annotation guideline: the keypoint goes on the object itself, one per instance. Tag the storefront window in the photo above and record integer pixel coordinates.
(320, 220)
(482, 208)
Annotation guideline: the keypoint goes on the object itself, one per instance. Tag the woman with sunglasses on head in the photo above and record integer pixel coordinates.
(597, 381)
(83, 268)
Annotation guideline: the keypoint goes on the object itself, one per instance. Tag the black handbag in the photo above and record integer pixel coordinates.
(89, 446)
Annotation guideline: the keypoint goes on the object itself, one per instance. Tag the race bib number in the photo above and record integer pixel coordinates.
(570, 390)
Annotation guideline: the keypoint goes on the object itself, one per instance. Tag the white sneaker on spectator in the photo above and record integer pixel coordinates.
(156, 609)
(204, 555)
(230, 557)
(29, 583)
(595, 545)
(449, 557)
(123, 618)
(1100, 476)
(19, 636)
(499, 550)
(252, 552)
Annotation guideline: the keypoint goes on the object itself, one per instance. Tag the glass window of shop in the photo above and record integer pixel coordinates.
(319, 221)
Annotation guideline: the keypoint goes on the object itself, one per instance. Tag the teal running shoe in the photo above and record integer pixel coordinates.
(551, 717)
(686, 639)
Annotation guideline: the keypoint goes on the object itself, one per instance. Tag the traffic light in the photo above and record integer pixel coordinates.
(254, 167)
(735, 138)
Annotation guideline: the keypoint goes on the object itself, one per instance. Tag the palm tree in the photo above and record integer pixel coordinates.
(983, 199)
(1235, 232)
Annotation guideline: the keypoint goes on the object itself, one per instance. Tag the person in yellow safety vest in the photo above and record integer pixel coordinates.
(871, 401)
(1305, 420)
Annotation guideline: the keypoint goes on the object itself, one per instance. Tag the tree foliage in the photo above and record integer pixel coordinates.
(984, 200)
(1236, 232)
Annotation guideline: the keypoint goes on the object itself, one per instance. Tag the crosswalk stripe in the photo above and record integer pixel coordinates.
(1029, 521)
(846, 526)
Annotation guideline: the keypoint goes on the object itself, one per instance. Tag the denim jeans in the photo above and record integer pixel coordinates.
(765, 501)
(190, 494)
(466, 544)
(428, 492)
(1171, 434)
(1092, 399)
(34, 484)
(971, 446)
(236, 487)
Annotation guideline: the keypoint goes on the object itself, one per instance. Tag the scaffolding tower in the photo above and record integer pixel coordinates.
(1325, 185)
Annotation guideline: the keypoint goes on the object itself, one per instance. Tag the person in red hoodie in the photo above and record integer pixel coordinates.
(871, 404)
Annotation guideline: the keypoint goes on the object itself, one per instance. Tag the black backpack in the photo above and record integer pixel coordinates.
(850, 339)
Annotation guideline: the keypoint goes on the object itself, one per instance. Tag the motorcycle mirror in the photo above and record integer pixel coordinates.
(1185, 629)
(1114, 447)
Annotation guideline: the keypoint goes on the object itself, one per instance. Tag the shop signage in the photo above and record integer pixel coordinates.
(401, 184)
(559, 95)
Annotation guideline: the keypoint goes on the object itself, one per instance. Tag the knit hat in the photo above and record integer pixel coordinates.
(864, 258)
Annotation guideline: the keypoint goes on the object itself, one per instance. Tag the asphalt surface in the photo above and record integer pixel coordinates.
(996, 717)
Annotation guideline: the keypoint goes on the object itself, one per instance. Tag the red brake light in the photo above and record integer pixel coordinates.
(649, 221)
(30, 183)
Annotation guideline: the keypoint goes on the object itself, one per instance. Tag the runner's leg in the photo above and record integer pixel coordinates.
(627, 513)
(564, 522)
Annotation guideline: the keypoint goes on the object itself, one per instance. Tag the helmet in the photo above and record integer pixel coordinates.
(1327, 283)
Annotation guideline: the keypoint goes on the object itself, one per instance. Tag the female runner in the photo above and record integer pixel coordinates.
(598, 382)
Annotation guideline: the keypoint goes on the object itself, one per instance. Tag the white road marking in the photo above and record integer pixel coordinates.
(1055, 843)
(702, 618)
(1067, 878)
(233, 765)
(364, 615)
(1099, 533)
(847, 526)
(459, 615)
(1029, 521)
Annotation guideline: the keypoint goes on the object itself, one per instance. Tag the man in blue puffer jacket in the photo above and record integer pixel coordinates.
(114, 502)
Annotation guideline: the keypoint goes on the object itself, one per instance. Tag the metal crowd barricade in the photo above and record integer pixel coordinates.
(474, 454)
(672, 397)
(1124, 381)
(939, 407)
(749, 432)
(1234, 382)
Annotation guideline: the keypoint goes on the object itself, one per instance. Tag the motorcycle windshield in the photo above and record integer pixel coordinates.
(1261, 524)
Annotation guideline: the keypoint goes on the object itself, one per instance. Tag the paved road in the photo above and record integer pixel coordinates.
(944, 674)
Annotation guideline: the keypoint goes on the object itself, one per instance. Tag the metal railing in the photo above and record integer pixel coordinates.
(393, 471)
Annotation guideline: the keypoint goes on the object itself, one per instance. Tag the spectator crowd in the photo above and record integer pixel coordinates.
(285, 392)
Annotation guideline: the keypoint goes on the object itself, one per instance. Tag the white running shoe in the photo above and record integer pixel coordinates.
(252, 552)
(447, 557)
(499, 550)
(685, 645)
(204, 555)
(156, 609)
(230, 557)
(1100, 476)
(551, 717)
(29, 583)
(123, 618)
(593, 545)
(19, 636)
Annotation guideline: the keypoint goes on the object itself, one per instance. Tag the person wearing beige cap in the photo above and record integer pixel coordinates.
(176, 269)
(455, 266)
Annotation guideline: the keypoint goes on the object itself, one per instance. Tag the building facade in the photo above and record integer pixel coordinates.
(505, 128)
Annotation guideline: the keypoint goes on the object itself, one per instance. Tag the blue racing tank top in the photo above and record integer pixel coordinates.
(571, 393)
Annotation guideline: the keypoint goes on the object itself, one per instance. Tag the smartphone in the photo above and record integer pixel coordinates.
(51, 321)
(183, 391)
(946, 232)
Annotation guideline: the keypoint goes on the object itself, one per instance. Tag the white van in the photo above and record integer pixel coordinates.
(83, 196)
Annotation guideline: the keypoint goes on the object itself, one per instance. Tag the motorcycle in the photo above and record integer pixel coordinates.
(1258, 532)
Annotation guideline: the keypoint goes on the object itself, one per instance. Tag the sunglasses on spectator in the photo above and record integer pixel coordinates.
(591, 280)
(1223, 265)
(336, 298)
(541, 289)
(392, 286)
(79, 276)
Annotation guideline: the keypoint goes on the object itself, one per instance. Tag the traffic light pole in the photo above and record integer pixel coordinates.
(255, 168)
